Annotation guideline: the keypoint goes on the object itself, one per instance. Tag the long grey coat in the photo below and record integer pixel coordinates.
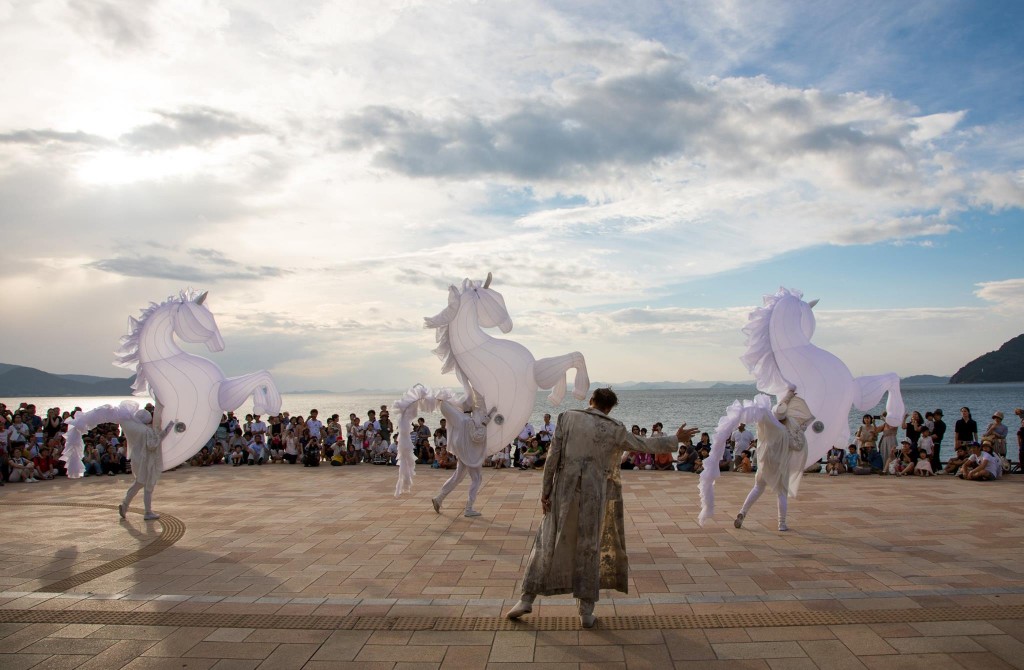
(581, 543)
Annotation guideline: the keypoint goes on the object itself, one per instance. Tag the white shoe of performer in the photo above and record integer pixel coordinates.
(524, 606)
(783, 527)
(122, 509)
(471, 512)
(437, 505)
(150, 516)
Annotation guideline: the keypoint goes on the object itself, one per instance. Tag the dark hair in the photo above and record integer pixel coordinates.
(604, 399)
(965, 407)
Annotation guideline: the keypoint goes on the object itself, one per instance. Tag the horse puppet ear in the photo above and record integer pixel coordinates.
(201, 298)
(487, 282)
(812, 303)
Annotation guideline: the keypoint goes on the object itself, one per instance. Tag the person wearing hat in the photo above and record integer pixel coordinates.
(996, 434)
(147, 460)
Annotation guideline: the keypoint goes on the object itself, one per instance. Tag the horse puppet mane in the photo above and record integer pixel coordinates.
(441, 322)
(127, 355)
(760, 357)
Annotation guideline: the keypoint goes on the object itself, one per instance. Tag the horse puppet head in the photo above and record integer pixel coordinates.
(194, 322)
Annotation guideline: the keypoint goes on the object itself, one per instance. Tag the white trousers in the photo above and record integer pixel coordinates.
(147, 495)
(755, 493)
(475, 480)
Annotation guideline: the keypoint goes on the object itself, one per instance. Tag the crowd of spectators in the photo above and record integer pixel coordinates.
(31, 445)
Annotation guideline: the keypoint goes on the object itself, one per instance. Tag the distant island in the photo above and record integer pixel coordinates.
(19, 381)
(1003, 365)
(924, 379)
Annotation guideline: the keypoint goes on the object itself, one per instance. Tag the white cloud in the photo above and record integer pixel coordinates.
(336, 164)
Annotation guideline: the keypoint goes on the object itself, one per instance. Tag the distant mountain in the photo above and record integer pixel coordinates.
(670, 386)
(17, 381)
(734, 385)
(1003, 365)
(924, 379)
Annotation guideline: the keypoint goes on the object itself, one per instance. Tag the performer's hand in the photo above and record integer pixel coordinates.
(685, 434)
(545, 504)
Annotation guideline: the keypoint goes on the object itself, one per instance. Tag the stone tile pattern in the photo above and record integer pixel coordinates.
(333, 542)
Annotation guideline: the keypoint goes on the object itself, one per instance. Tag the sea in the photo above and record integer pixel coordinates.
(697, 407)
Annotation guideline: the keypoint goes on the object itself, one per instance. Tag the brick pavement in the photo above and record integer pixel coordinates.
(284, 566)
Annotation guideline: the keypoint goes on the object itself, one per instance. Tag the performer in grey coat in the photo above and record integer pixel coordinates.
(580, 546)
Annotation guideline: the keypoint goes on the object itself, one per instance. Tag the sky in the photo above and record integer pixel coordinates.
(635, 174)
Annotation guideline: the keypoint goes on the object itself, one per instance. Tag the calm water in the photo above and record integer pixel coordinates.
(697, 407)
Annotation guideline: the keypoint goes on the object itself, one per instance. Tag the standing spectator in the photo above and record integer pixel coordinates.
(17, 433)
(314, 424)
(1020, 440)
(913, 428)
(259, 427)
(965, 429)
(741, 438)
(545, 433)
(938, 432)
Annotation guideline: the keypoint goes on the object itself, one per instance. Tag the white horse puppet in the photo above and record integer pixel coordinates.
(780, 356)
(502, 372)
(191, 389)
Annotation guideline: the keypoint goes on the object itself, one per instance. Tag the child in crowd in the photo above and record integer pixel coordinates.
(834, 463)
(745, 463)
(923, 467)
(851, 458)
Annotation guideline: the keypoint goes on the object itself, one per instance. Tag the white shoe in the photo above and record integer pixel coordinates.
(783, 527)
(588, 620)
(519, 609)
(437, 505)
(122, 509)
(471, 512)
(738, 523)
(31, 480)
(150, 516)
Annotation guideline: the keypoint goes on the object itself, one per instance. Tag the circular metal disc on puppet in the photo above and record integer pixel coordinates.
(499, 419)
(818, 427)
(180, 427)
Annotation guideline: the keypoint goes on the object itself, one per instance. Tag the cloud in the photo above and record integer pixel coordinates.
(47, 135)
(123, 25)
(1007, 293)
(190, 126)
(216, 267)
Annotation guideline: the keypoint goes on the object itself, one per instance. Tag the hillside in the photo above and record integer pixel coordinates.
(17, 381)
(1003, 365)
(924, 379)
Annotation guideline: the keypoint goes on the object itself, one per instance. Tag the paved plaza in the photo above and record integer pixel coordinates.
(289, 567)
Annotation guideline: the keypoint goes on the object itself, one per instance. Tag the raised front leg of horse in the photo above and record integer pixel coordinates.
(869, 390)
(260, 385)
(549, 373)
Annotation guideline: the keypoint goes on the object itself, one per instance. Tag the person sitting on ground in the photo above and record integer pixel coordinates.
(923, 467)
(110, 461)
(685, 457)
(276, 449)
(255, 450)
(698, 464)
(834, 462)
(45, 465)
(663, 461)
(851, 458)
(291, 447)
(954, 464)
(237, 456)
(91, 460)
(996, 434)
(531, 455)
(22, 469)
(202, 459)
(628, 461)
(874, 460)
(352, 456)
(644, 461)
(502, 459)
(925, 443)
(746, 465)
(981, 465)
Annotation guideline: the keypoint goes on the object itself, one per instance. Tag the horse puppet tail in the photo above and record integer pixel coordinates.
(749, 412)
(416, 400)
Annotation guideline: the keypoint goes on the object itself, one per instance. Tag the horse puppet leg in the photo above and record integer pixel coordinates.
(549, 373)
(260, 385)
(869, 390)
